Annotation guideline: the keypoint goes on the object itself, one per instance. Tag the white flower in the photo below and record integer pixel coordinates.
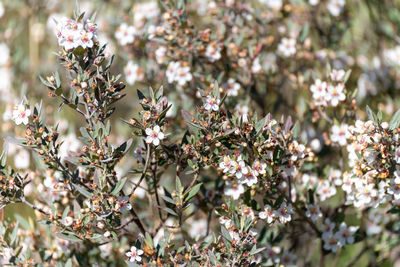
(288, 258)
(284, 213)
(335, 177)
(234, 190)
(287, 47)
(272, 253)
(325, 190)
(91, 27)
(22, 159)
(320, 91)
(337, 75)
(232, 87)
(4, 53)
(335, 7)
(313, 212)
(327, 227)
(273, 4)
(125, 34)
(21, 115)
(172, 71)
(1, 9)
(240, 168)
(268, 214)
(313, 2)
(134, 254)
(226, 164)
(145, 11)
(336, 94)
(340, 134)
(331, 242)
(259, 167)
(86, 39)
(256, 67)
(154, 135)
(133, 73)
(249, 178)
(160, 54)
(72, 34)
(198, 228)
(394, 188)
(213, 52)
(70, 144)
(212, 103)
(68, 221)
(183, 75)
(345, 234)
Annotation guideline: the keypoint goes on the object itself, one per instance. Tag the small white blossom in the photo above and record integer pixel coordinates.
(213, 52)
(256, 66)
(154, 135)
(133, 73)
(287, 47)
(284, 213)
(68, 221)
(340, 134)
(345, 235)
(268, 214)
(337, 75)
(232, 87)
(331, 242)
(313, 212)
(134, 254)
(335, 7)
(21, 115)
(125, 34)
(211, 103)
(234, 190)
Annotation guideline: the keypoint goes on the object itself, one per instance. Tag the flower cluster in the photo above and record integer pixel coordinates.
(72, 34)
(330, 94)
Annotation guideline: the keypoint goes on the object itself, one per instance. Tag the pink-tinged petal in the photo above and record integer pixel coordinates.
(161, 136)
(156, 142)
(156, 129)
(149, 139)
(148, 131)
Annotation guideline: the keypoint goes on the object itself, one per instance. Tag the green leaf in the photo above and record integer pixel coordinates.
(68, 237)
(45, 82)
(254, 250)
(83, 191)
(296, 130)
(226, 234)
(193, 191)
(371, 115)
(259, 125)
(65, 213)
(14, 234)
(58, 81)
(170, 211)
(118, 187)
(178, 185)
(394, 122)
(159, 93)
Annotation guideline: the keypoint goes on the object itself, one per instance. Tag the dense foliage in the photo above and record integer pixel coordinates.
(200, 133)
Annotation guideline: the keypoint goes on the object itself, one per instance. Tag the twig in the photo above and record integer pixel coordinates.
(132, 196)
